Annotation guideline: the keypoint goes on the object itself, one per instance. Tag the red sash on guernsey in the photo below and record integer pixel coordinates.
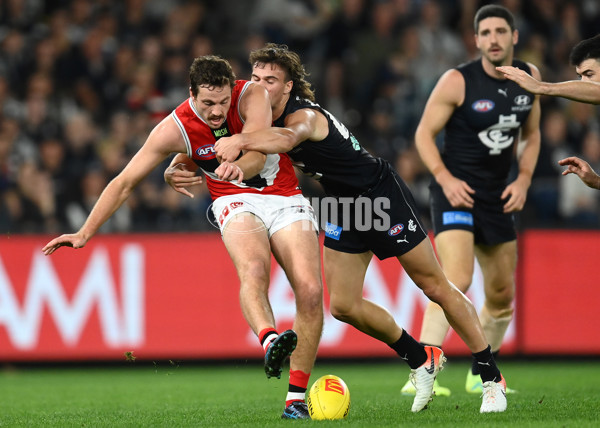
(276, 178)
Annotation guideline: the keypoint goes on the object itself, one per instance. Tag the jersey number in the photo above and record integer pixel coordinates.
(343, 131)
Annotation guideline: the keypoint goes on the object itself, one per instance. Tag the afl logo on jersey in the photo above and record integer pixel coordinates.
(206, 152)
(483, 106)
(395, 230)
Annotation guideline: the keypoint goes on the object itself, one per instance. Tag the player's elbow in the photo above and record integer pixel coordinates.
(262, 159)
(121, 186)
(422, 135)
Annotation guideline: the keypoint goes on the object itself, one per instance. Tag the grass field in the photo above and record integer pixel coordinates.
(167, 394)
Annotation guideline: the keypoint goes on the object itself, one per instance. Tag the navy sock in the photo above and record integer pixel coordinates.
(409, 350)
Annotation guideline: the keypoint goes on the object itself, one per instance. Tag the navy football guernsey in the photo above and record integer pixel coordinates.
(482, 133)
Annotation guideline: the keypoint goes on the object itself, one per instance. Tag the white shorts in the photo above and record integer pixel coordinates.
(275, 212)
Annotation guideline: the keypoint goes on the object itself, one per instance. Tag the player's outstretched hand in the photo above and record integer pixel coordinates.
(582, 169)
(179, 178)
(73, 240)
(521, 78)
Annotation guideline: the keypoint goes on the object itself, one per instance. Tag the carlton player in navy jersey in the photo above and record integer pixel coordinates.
(487, 119)
(325, 149)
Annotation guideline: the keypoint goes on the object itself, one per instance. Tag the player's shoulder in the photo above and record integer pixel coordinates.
(299, 105)
(457, 75)
(249, 89)
(451, 86)
(302, 114)
(452, 76)
(166, 136)
(242, 87)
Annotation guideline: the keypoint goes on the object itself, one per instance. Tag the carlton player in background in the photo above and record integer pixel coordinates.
(486, 119)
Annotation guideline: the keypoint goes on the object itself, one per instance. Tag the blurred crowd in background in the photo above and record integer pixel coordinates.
(82, 83)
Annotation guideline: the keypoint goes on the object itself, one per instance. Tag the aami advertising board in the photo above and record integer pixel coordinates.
(176, 297)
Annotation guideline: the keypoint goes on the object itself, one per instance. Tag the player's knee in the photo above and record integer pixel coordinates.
(254, 271)
(309, 299)
(435, 290)
(341, 309)
(462, 283)
(309, 285)
(500, 306)
(436, 295)
(501, 298)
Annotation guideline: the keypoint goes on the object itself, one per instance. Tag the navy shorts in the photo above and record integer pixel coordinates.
(383, 220)
(486, 220)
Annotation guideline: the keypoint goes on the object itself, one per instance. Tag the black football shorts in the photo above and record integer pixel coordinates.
(489, 224)
(383, 220)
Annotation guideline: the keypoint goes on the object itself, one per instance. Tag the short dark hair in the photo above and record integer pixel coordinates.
(210, 71)
(494, 11)
(291, 64)
(585, 49)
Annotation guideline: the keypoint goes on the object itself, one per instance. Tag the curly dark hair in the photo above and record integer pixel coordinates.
(290, 62)
(211, 71)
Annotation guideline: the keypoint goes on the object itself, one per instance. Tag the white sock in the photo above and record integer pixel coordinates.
(295, 396)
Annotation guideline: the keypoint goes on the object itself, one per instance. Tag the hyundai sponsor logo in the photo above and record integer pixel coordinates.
(522, 100)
